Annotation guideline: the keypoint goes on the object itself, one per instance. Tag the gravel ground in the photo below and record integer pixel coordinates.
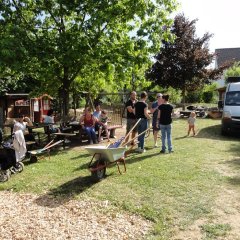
(27, 216)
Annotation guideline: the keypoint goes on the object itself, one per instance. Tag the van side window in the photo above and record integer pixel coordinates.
(232, 99)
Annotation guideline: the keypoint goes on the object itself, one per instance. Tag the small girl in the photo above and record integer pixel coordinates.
(191, 123)
(103, 125)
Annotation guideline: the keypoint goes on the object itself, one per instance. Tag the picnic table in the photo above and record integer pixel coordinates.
(30, 130)
(199, 113)
(76, 126)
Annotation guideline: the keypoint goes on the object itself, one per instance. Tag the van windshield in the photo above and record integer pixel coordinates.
(232, 98)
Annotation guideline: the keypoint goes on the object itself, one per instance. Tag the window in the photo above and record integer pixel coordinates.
(232, 99)
(46, 104)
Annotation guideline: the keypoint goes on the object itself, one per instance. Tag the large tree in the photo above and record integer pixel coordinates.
(184, 62)
(56, 41)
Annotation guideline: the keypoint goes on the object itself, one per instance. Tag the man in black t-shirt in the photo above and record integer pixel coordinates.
(131, 118)
(165, 121)
(141, 112)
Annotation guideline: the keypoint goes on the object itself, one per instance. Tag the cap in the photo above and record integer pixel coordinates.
(159, 95)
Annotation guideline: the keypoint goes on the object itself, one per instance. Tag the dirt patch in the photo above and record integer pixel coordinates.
(23, 216)
(226, 211)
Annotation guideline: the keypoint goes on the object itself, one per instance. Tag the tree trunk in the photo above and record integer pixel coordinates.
(64, 99)
(66, 102)
(184, 97)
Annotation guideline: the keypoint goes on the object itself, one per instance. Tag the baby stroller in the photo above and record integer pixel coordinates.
(8, 163)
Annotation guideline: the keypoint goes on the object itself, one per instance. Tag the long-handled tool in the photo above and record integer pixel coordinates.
(123, 145)
(130, 131)
(33, 154)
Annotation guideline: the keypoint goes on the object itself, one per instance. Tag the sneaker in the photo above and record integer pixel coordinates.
(162, 151)
(138, 149)
(171, 151)
(155, 145)
(67, 141)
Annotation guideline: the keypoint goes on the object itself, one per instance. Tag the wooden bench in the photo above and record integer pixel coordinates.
(30, 144)
(199, 113)
(185, 113)
(112, 130)
(47, 131)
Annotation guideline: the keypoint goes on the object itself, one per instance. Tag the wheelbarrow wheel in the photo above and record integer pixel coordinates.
(33, 159)
(100, 172)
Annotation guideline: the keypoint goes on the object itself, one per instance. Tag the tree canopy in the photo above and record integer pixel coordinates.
(184, 63)
(56, 42)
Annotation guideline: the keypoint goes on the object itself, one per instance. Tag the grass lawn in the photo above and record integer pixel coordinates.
(172, 190)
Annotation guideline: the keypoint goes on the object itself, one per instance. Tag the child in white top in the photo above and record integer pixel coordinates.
(191, 123)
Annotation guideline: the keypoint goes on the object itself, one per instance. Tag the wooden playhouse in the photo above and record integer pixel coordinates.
(14, 104)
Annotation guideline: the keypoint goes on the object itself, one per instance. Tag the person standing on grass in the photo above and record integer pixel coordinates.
(165, 121)
(191, 123)
(141, 112)
(131, 118)
(154, 111)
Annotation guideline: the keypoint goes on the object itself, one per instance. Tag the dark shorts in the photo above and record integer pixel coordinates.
(154, 122)
(130, 123)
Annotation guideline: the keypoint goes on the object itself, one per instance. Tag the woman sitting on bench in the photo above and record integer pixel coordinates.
(49, 119)
(89, 122)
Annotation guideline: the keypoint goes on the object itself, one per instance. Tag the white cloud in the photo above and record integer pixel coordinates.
(220, 17)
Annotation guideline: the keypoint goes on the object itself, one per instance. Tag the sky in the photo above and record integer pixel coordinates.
(219, 17)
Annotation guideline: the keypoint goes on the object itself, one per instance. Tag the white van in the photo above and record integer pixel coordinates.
(231, 109)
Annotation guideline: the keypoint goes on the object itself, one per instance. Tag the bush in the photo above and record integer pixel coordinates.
(208, 97)
(194, 97)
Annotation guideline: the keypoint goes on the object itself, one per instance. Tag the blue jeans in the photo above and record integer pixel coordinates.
(91, 133)
(166, 131)
(142, 126)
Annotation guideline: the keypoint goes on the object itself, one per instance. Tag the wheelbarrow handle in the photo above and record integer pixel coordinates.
(48, 144)
(125, 144)
(54, 144)
(130, 131)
